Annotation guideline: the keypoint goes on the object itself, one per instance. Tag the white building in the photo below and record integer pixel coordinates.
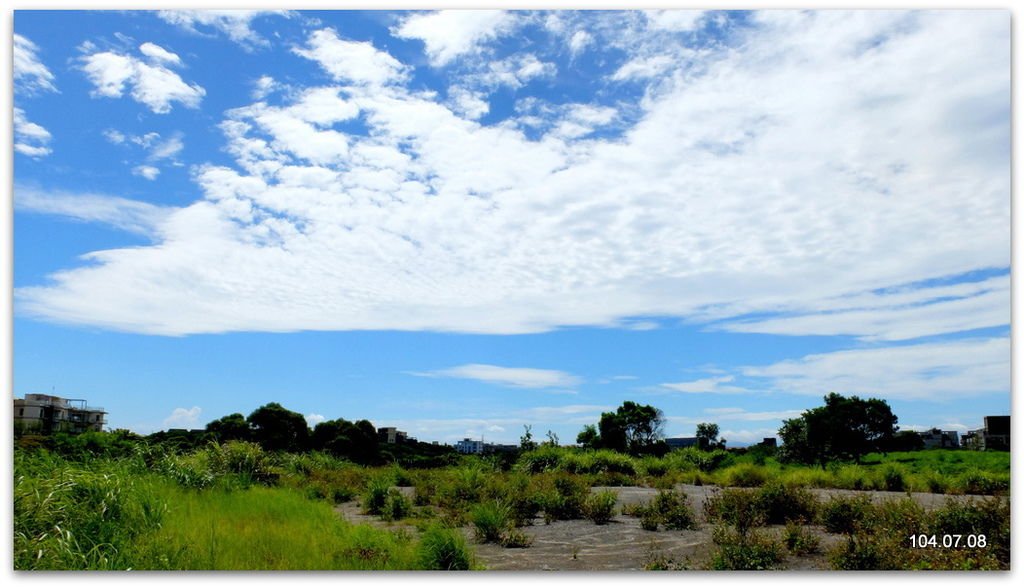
(469, 446)
(43, 413)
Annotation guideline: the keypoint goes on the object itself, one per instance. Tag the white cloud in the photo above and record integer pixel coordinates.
(643, 67)
(579, 41)
(448, 34)
(128, 215)
(30, 75)
(853, 170)
(151, 83)
(469, 104)
(263, 87)
(313, 419)
(183, 418)
(29, 138)
(147, 171)
(352, 61)
(712, 385)
(907, 313)
(115, 136)
(158, 53)
(928, 371)
(674, 20)
(236, 24)
(168, 148)
(505, 376)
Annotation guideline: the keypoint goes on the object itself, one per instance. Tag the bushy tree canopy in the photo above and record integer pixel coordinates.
(843, 429)
(278, 429)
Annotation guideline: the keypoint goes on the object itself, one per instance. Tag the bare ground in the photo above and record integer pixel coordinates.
(623, 545)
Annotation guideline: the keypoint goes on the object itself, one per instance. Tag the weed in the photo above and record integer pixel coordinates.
(491, 521)
(845, 515)
(799, 541)
(443, 548)
(744, 551)
(600, 507)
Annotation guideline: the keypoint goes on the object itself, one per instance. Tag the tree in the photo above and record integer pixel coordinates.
(634, 428)
(230, 427)
(357, 441)
(552, 439)
(278, 429)
(589, 437)
(526, 442)
(707, 437)
(843, 429)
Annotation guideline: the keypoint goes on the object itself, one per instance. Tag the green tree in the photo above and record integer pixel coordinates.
(707, 437)
(278, 429)
(229, 428)
(843, 429)
(357, 441)
(526, 442)
(633, 428)
(589, 438)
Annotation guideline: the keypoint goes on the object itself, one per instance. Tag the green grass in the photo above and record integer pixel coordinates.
(267, 529)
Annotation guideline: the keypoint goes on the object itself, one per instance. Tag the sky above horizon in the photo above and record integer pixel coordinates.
(462, 222)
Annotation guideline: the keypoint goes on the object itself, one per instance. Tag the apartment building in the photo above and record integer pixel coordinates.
(42, 413)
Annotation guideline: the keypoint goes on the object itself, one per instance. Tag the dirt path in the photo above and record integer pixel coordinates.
(623, 545)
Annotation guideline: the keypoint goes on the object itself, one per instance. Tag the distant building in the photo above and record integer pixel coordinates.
(681, 442)
(937, 438)
(472, 446)
(994, 435)
(392, 435)
(769, 442)
(468, 446)
(42, 413)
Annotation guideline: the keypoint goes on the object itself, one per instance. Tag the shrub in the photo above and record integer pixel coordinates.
(989, 517)
(376, 495)
(893, 479)
(600, 507)
(737, 507)
(514, 538)
(442, 548)
(800, 542)
(649, 518)
(739, 551)
(564, 501)
(491, 520)
(745, 475)
(856, 554)
(396, 506)
(780, 503)
(668, 508)
(845, 515)
(674, 510)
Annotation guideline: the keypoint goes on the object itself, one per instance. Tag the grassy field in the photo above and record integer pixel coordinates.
(237, 507)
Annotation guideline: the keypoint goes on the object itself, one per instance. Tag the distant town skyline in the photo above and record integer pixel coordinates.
(458, 223)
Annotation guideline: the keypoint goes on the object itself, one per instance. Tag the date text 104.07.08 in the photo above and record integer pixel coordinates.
(948, 541)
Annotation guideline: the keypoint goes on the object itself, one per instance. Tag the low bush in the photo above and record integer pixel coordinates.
(799, 541)
(744, 551)
(443, 548)
(780, 504)
(737, 507)
(600, 506)
(668, 508)
(396, 506)
(491, 520)
(376, 495)
(846, 515)
(744, 475)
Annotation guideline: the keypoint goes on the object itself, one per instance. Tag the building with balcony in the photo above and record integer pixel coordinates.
(42, 413)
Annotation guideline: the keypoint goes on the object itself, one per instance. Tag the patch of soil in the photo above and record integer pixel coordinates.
(623, 545)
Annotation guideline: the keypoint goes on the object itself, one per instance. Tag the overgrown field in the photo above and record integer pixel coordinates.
(101, 502)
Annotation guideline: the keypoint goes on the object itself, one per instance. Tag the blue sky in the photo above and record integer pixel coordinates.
(461, 222)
